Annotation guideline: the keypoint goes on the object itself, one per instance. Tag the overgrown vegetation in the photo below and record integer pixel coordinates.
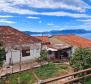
(50, 70)
(43, 56)
(88, 81)
(25, 77)
(44, 72)
(81, 59)
(2, 54)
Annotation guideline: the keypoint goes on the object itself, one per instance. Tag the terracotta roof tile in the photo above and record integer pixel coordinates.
(14, 36)
(75, 40)
(44, 39)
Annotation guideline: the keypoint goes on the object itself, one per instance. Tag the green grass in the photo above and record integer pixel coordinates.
(25, 77)
(50, 70)
(43, 72)
(88, 80)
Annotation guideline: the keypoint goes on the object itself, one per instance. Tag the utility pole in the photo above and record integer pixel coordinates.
(42, 42)
(20, 56)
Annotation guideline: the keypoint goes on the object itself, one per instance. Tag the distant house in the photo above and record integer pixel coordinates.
(44, 40)
(75, 41)
(56, 49)
(19, 46)
(62, 46)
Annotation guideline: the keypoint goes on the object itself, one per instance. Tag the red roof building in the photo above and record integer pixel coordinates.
(75, 40)
(44, 39)
(14, 36)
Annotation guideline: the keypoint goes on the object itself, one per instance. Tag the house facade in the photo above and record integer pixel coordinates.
(44, 41)
(19, 47)
(75, 41)
(56, 48)
(62, 46)
(23, 48)
(23, 54)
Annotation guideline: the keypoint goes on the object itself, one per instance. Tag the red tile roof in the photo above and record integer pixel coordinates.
(75, 40)
(14, 36)
(44, 39)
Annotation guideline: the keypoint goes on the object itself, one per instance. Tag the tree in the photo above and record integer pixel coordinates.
(2, 56)
(81, 59)
(43, 56)
(2, 48)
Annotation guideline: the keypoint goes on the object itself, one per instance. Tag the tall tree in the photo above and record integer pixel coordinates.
(43, 57)
(2, 55)
(81, 59)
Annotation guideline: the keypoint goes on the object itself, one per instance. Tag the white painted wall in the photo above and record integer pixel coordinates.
(34, 53)
(44, 47)
(74, 48)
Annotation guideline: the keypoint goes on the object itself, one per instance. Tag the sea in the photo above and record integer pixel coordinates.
(87, 35)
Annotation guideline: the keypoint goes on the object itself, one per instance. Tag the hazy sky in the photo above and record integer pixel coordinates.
(45, 15)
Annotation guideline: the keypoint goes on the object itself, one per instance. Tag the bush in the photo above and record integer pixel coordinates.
(44, 55)
(81, 59)
(2, 56)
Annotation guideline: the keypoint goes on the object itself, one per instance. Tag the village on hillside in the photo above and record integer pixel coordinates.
(57, 59)
(45, 41)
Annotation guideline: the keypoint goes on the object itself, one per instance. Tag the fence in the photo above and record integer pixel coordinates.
(86, 73)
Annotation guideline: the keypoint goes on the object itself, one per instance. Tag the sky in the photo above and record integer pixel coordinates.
(46, 15)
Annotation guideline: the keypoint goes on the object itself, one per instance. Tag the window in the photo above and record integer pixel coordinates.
(26, 52)
(49, 52)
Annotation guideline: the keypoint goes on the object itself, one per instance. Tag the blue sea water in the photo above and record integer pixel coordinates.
(87, 35)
